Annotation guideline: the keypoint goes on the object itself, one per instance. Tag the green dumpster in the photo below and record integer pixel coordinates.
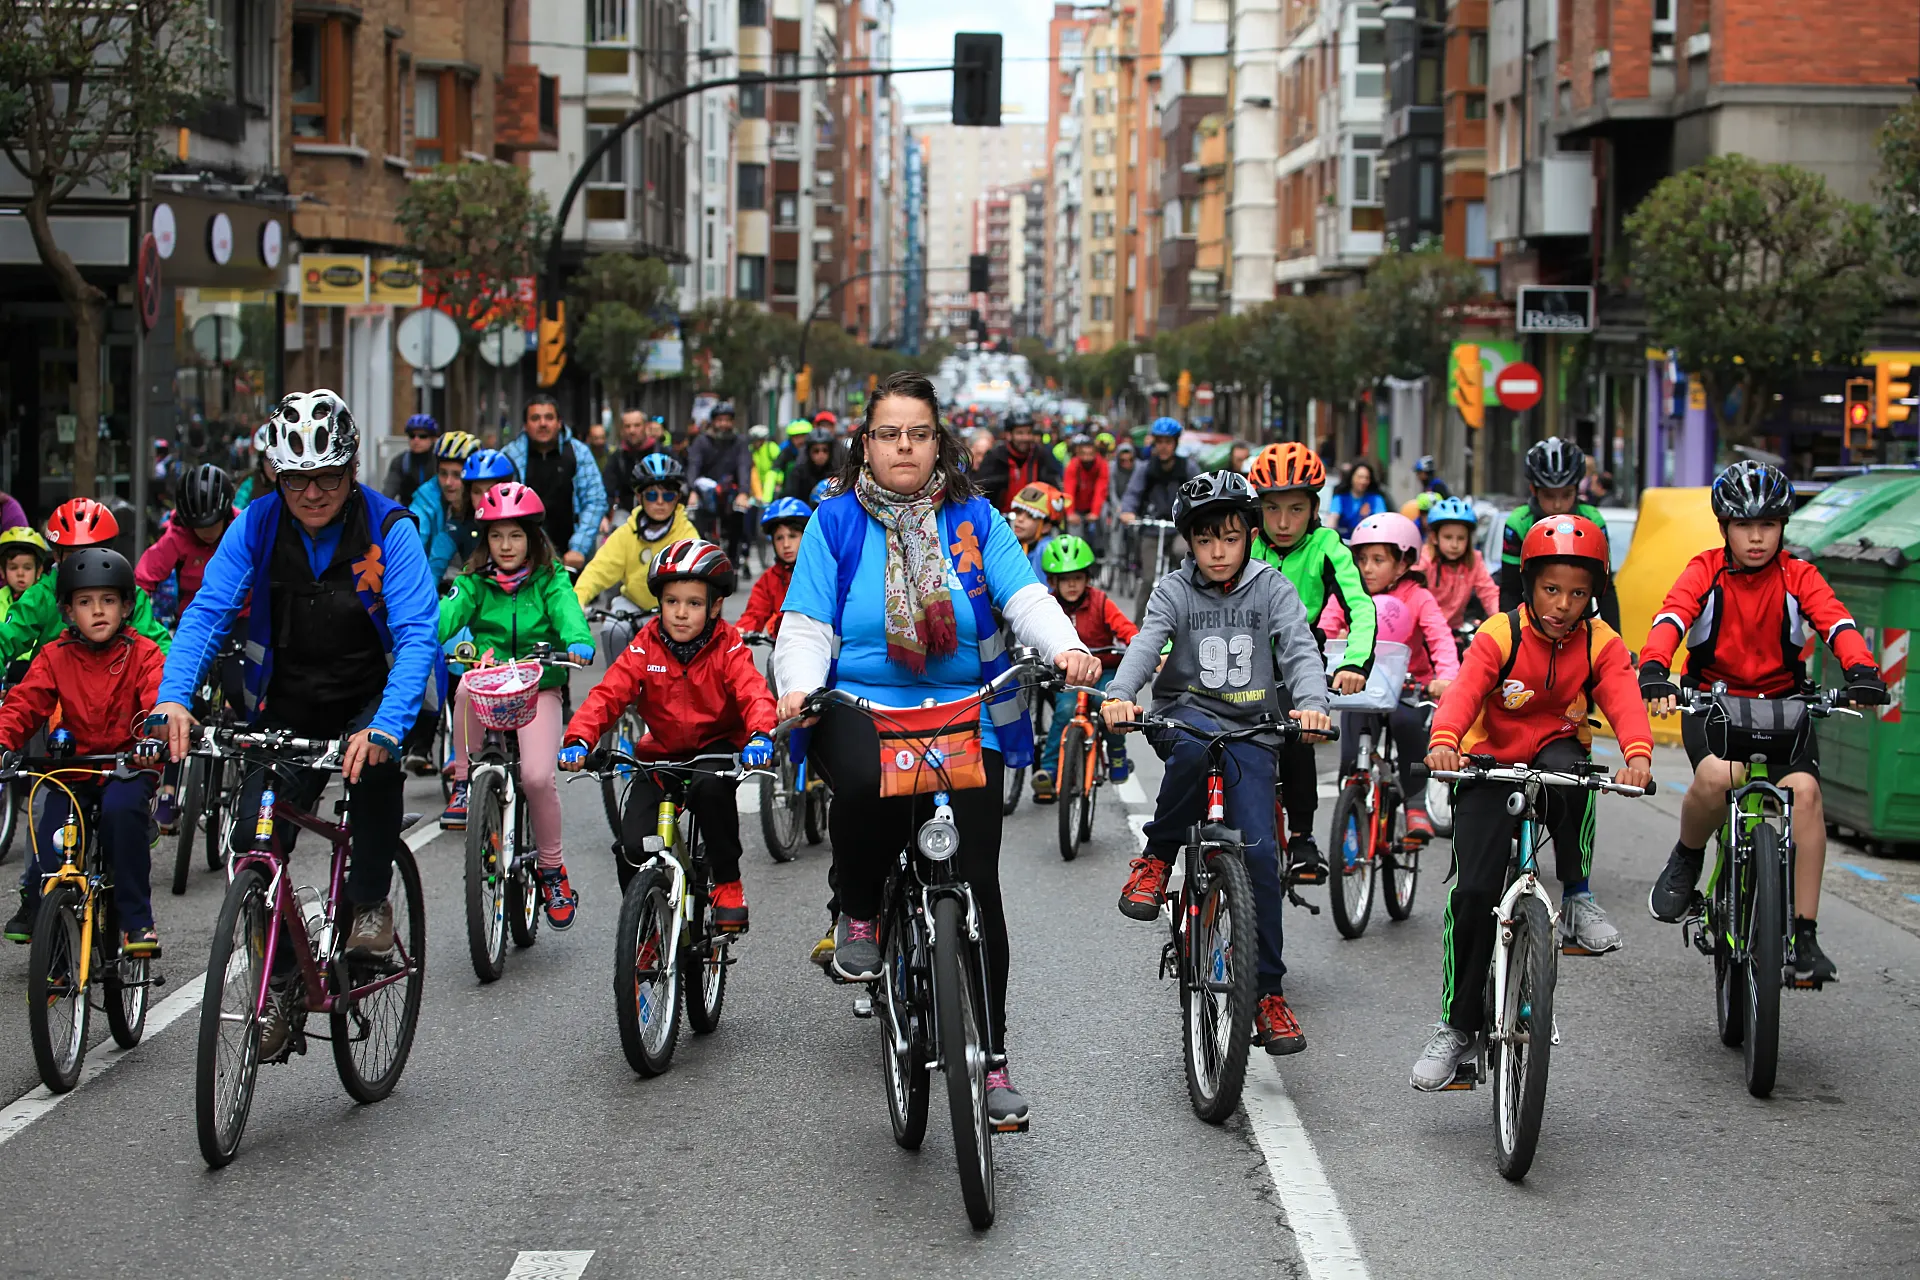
(1845, 506)
(1869, 766)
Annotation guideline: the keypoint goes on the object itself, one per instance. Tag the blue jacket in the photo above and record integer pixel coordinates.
(436, 531)
(589, 491)
(401, 600)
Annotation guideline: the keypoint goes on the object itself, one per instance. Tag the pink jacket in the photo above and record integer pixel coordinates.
(1453, 585)
(178, 547)
(1434, 655)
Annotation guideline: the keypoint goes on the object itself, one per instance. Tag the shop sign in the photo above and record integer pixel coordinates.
(272, 242)
(1543, 308)
(220, 239)
(166, 231)
(333, 279)
(396, 282)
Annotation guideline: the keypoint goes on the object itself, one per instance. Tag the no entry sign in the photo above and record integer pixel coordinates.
(1518, 386)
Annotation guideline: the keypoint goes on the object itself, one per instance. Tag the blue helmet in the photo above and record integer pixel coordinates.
(1451, 511)
(785, 510)
(821, 492)
(423, 422)
(1165, 427)
(1424, 465)
(660, 468)
(487, 464)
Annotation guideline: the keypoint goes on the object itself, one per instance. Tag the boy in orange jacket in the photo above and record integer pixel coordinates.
(1526, 688)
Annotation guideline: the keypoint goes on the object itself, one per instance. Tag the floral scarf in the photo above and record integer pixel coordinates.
(919, 610)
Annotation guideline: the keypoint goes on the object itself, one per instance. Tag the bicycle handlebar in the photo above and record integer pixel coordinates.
(1507, 773)
(819, 698)
(1288, 730)
(215, 741)
(603, 761)
(121, 768)
(1828, 702)
(467, 655)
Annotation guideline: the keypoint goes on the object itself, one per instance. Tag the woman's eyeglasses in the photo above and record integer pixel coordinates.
(294, 482)
(915, 436)
(659, 495)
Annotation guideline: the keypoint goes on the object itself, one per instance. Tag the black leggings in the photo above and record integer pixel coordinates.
(869, 832)
(715, 807)
(1299, 776)
(1409, 728)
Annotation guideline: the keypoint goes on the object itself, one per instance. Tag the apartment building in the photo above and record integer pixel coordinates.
(963, 164)
(1136, 30)
(1331, 78)
(1103, 202)
(1066, 47)
(1192, 93)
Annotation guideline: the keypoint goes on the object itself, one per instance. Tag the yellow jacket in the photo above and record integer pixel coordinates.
(625, 557)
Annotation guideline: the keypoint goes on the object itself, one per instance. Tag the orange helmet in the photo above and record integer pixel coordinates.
(1042, 502)
(81, 522)
(1280, 467)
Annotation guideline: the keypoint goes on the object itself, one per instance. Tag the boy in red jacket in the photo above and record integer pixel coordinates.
(785, 522)
(695, 684)
(1069, 561)
(1744, 610)
(1526, 688)
(103, 677)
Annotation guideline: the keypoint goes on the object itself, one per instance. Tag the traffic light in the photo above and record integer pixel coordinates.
(553, 345)
(1469, 392)
(1183, 389)
(979, 274)
(1859, 413)
(1887, 394)
(976, 78)
(803, 384)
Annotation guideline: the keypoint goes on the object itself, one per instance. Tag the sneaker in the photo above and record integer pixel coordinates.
(1042, 787)
(1440, 1061)
(1810, 963)
(276, 1024)
(730, 907)
(1275, 1027)
(1419, 825)
(558, 897)
(1672, 893)
(372, 933)
(1146, 889)
(20, 927)
(1303, 851)
(856, 949)
(1119, 768)
(166, 814)
(822, 953)
(1006, 1108)
(1585, 927)
(417, 764)
(454, 818)
(141, 944)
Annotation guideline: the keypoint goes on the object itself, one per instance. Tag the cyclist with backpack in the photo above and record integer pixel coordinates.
(561, 469)
(413, 470)
(1554, 468)
(1156, 480)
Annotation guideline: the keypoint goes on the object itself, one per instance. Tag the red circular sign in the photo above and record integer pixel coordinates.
(1518, 386)
(149, 272)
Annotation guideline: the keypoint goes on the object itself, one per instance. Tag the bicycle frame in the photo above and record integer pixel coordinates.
(1756, 801)
(1525, 884)
(74, 868)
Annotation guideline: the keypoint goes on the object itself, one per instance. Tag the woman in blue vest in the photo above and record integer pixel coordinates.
(903, 571)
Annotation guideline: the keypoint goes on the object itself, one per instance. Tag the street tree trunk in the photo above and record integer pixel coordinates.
(88, 306)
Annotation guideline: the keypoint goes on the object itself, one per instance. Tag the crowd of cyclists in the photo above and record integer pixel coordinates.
(901, 562)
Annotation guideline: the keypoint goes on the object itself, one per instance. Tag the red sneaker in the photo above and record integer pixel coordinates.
(561, 901)
(1146, 889)
(1419, 825)
(730, 907)
(1275, 1027)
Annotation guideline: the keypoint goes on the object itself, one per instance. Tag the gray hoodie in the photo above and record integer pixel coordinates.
(1231, 652)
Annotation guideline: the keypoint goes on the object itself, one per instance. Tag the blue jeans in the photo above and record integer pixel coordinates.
(121, 808)
(1183, 802)
(1064, 705)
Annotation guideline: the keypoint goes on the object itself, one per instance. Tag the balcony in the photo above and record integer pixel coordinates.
(526, 115)
(1558, 194)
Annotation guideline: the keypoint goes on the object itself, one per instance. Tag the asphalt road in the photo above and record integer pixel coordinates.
(520, 1143)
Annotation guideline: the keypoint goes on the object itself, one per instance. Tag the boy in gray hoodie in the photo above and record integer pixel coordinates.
(1239, 634)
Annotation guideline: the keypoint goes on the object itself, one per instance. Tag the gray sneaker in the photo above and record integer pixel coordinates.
(372, 935)
(856, 949)
(1446, 1049)
(276, 1024)
(1585, 927)
(1006, 1106)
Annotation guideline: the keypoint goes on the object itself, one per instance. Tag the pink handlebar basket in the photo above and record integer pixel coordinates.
(504, 696)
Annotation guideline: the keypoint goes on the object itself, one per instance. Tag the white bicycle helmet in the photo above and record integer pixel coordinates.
(310, 430)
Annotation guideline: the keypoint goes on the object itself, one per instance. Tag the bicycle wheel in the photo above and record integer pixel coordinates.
(1219, 988)
(9, 817)
(963, 1053)
(56, 1002)
(486, 879)
(646, 989)
(780, 803)
(191, 799)
(373, 1025)
(1015, 778)
(1351, 895)
(814, 813)
(703, 964)
(214, 817)
(523, 902)
(1766, 960)
(227, 1062)
(903, 1062)
(1399, 868)
(1525, 1052)
(122, 978)
(1071, 784)
(625, 734)
(443, 746)
(1729, 973)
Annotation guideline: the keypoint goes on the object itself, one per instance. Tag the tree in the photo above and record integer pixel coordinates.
(625, 303)
(1407, 310)
(1899, 185)
(84, 90)
(476, 227)
(748, 343)
(1753, 273)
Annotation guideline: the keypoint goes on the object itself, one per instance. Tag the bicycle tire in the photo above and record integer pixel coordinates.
(703, 957)
(1014, 780)
(1219, 987)
(1729, 974)
(229, 1001)
(813, 814)
(213, 827)
(1090, 793)
(1071, 789)
(624, 736)
(905, 1074)
(192, 796)
(123, 979)
(648, 1013)
(486, 879)
(1520, 1082)
(9, 817)
(371, 1076)
(1766, 961)
(1399, 869)
(523, 903)
(1351, 892)
(58, 1010)
(443, 752)
(963, 1054)
(780, 805)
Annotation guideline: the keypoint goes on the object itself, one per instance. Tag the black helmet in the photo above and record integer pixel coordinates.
(205, 498)
(1750, 490)
(1020, 416)
(819, 435)
(724, 408)
(1213, 492)
(93, 568)
(1554, 463)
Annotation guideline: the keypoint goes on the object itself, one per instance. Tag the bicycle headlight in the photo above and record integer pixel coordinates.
(938, 839)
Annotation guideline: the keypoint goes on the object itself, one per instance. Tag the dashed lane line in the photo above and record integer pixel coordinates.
(551, 1264)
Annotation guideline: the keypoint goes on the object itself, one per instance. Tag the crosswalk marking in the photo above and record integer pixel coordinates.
(551, 1264)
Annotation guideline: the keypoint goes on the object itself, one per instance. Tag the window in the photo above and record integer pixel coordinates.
(750, 276)
(1133, 274)
(612, 167)
(1103, 142)
(786, 64)
(442, 118)
(753, 13)
(1363, 179)
(321, 79)
(1102, 307)
(1203, 289)
(786, 277)
(1478, 246)
(607, 21)
(1372, 48)
(1426, 89)
(426, 121)
(1133, 208)
(391, 100)
(1476, 106)
(753, 101)
(1102, 61)
(753, 187)
(1102, 226)
(1099, 102)
(786, 210)
(1429, 191)
(1133, 146)
(1477, 59)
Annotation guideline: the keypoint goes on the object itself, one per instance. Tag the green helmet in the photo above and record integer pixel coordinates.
(798, 428)
(1067, 554)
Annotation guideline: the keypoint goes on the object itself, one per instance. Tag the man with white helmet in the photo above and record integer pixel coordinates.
(342, 639)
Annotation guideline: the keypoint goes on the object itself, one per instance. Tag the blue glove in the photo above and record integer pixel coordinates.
(758, 753)
(580, 653)
(573, 755)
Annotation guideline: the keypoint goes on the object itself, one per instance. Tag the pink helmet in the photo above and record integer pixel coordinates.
(509, 500)
(1392, 620)
(1391, 528)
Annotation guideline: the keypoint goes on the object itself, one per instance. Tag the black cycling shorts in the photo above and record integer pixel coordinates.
(1693, 736)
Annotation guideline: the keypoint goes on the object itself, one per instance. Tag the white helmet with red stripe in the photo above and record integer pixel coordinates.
(692, 560)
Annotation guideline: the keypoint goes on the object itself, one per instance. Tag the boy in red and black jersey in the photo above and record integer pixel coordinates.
(1748, 612)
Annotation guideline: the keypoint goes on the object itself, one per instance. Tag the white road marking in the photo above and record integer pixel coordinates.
(1313, 1210)
(559, 1264)
(1130, 791)
(424, 833)
(1138, 821)
(749, 796)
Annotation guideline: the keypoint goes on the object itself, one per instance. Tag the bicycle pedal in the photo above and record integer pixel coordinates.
(1169, 966)
(1011, 1126)
(863, 1005)
(1466, 1078)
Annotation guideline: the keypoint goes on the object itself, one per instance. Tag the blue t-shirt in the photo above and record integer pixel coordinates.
(864, 670)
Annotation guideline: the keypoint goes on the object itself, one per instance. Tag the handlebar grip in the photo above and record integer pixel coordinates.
(598, 760)
(1652, 788)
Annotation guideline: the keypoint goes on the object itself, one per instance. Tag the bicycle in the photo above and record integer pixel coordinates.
(792, 801)
(372, 1007)
(666, 935)
(624, 735)
(502, 857)
(1518, 1046)
(76, 934)
(1370, 833)
(1082, 768)
(1213, 945)
(1152, 569)
(1745, 919)
(205, 790)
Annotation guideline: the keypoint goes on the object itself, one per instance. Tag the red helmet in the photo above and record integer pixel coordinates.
(81, 522)
(825, 418)
(509, 500)
(692, 560)
(1566, 539)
